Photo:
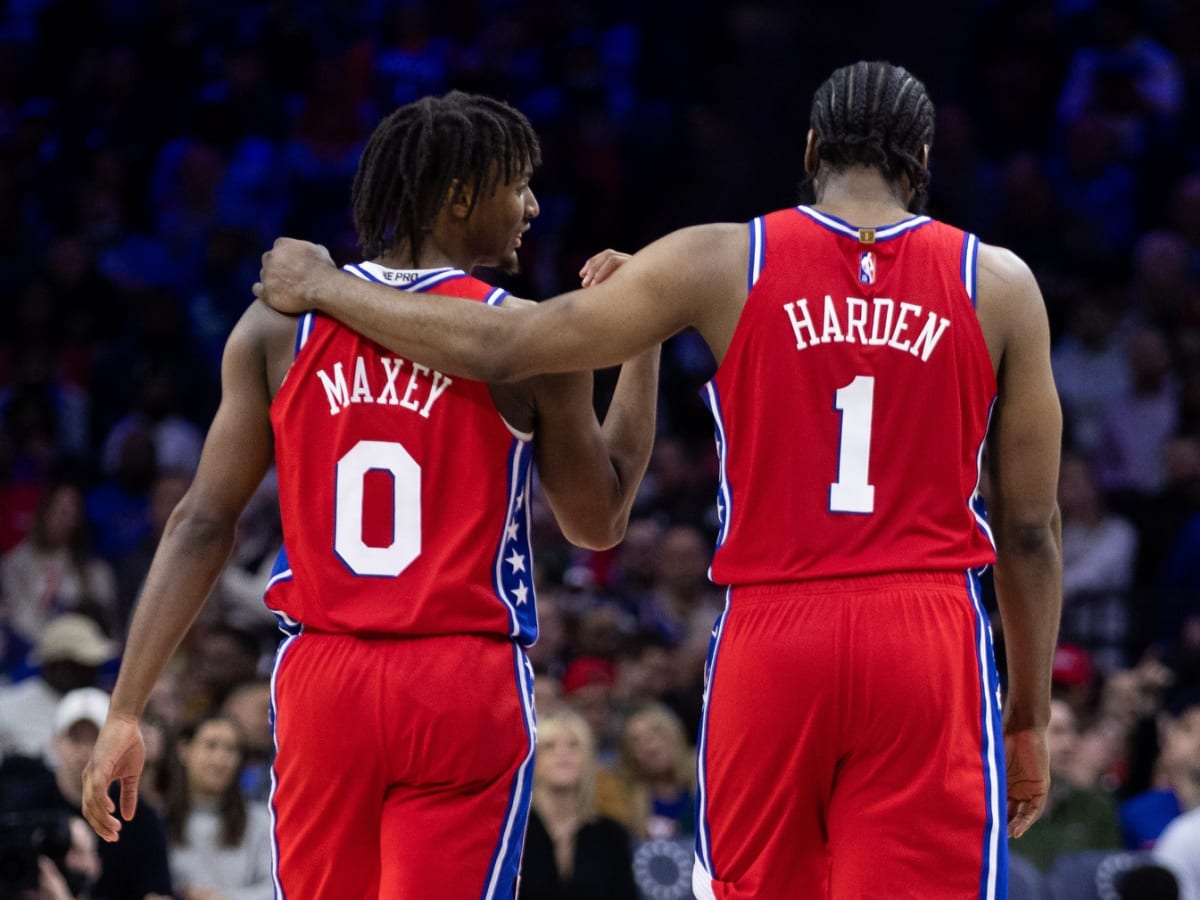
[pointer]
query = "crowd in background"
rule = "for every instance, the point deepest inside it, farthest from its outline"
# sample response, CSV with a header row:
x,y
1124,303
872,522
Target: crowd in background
x,y
150,153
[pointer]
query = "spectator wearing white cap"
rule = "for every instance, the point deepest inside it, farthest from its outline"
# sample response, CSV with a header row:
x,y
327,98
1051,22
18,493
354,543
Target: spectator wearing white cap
x,y
69,653
136,867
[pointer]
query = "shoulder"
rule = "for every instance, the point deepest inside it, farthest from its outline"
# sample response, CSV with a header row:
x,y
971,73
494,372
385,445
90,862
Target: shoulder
x,y
1002,270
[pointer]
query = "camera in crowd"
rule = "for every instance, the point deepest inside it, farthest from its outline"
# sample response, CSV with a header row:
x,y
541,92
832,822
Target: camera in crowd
x,y
25,836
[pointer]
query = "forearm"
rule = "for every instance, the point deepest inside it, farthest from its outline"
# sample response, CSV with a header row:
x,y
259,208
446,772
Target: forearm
x,y
450,334
1028,579
185,567
630,423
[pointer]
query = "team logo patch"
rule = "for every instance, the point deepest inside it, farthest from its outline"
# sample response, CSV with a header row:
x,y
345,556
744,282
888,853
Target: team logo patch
x,y
866,267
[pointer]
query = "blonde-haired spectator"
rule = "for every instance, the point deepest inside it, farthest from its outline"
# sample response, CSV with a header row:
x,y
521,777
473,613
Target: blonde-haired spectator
x,y
651,788
570,850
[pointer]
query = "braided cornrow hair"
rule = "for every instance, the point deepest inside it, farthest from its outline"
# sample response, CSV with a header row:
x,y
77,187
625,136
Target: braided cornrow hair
x,y
874,114
417,153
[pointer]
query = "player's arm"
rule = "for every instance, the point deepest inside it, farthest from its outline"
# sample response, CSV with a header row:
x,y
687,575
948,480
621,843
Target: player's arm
x,y
194,547
1025,443
591,471
680,280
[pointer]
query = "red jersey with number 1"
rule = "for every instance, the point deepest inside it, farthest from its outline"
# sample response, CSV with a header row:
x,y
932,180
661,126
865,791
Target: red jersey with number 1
x,y
852,404
403,493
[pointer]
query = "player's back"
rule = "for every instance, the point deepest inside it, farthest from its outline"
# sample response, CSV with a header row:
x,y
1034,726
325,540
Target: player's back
x,y
852,404
403,493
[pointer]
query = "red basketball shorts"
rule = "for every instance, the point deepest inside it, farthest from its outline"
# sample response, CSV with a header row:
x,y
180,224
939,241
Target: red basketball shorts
x,y
403,766
851,744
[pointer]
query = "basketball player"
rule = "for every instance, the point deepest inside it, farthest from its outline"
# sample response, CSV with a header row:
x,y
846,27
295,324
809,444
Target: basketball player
x,y
402,698
852,742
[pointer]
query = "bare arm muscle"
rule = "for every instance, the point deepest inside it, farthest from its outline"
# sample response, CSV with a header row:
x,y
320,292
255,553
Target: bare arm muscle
x,y
1024,449
199,533
692,277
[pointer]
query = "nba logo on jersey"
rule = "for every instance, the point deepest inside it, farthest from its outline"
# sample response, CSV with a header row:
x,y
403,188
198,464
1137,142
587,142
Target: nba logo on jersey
x,y
866,267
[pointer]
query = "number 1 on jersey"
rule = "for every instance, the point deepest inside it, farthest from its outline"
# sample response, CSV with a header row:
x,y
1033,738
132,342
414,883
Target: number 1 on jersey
x,y
851,493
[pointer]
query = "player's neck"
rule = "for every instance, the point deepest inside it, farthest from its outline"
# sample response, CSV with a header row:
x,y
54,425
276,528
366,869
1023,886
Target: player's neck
x,y
862,196
432,255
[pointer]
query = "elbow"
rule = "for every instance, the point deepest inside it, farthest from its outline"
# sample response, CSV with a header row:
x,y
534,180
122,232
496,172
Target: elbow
x,y
197,528
603,534
1030,536
493,363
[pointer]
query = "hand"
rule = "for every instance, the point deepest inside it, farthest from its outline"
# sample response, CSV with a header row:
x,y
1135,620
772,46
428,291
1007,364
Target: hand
x,y
51,884
119,754
1028,763
290,271
602,265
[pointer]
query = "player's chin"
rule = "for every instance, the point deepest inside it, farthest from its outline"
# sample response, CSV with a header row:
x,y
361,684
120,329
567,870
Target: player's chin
x,y
510,264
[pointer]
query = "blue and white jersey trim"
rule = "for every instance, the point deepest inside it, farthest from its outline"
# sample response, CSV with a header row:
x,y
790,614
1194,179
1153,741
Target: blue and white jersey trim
x,y
303,331
993,880
496,297
724,494
513,570
843,227
506,860
970,264
281,571
417,280
284,647
758,252
978,507
702,872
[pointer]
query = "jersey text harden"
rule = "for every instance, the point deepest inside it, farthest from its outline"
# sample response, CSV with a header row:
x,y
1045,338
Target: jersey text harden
x,y
878,322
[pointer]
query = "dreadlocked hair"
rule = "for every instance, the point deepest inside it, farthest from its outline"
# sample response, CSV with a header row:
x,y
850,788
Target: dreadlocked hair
x,y
419,151
874,114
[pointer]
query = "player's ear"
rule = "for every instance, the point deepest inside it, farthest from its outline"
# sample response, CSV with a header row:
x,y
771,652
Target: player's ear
x,y
458,199
810,153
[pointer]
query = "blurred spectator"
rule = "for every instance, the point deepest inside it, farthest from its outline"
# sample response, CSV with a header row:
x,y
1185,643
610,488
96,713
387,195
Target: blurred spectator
x,y
132,565
1073,677
1175,788
1089,370
1123,75
118,508
219,657
176,440
1075,818
1179,849
684,602
220,844
19,495
1098,550
651,787
53,570
571,852
587,688
548,653
69,654
237,597
1139,421
249,707
133,868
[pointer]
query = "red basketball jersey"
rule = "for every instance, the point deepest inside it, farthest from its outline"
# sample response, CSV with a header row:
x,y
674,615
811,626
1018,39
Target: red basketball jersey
x,y
852,404
404,494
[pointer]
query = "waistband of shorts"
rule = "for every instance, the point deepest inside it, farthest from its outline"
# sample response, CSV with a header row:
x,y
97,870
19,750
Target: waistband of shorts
x,y
848,584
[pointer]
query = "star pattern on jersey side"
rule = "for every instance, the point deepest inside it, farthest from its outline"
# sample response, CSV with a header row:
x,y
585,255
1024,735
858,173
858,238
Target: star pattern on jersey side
x,y
517,561
521,593
513,530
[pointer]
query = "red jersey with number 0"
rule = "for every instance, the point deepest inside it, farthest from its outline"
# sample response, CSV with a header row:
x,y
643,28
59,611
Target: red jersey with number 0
x,y
852,404
404,495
